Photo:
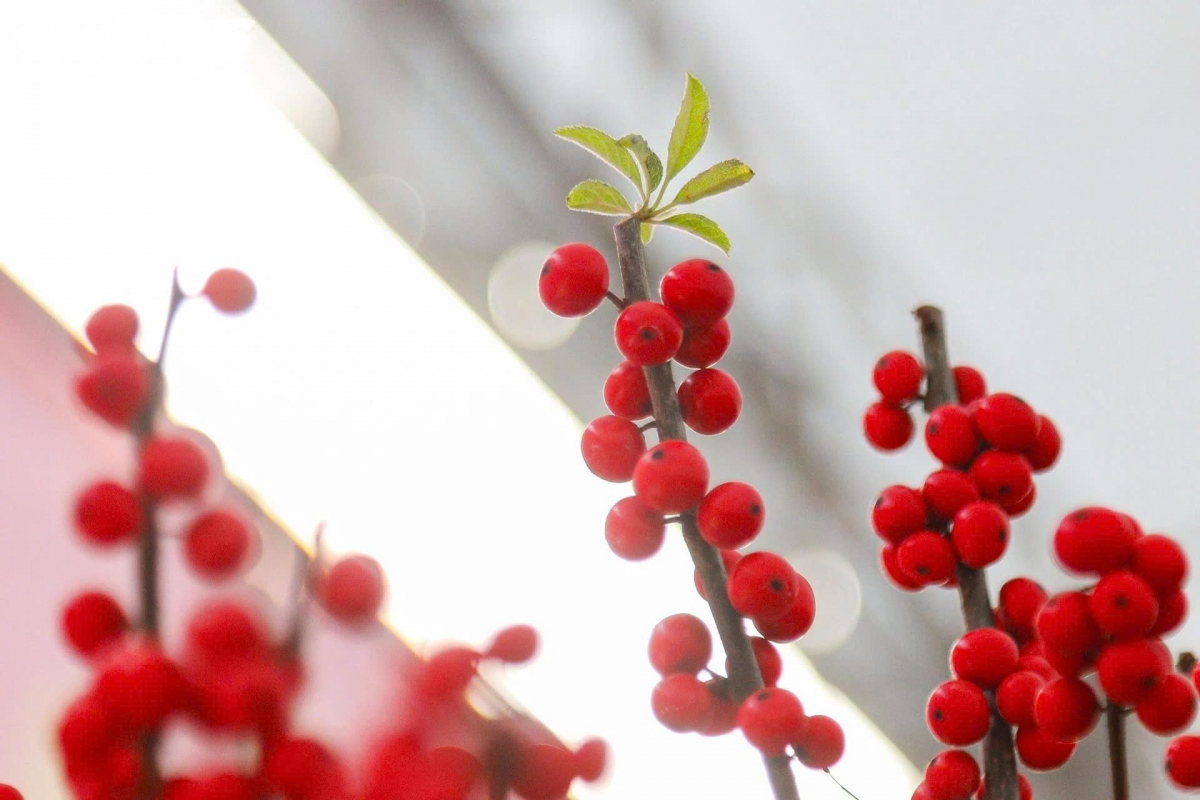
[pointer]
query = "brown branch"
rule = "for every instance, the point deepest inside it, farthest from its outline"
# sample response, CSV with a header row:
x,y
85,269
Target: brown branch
x,y
1185,663
1115,717
744,675
303,579
1000,764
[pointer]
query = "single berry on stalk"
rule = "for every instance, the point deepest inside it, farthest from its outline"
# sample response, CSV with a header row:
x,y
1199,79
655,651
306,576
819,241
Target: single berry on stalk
x,y
731,515
898,377
633,531
230,291
680,643
771,719
698,291
574,280
352,590
671,477
112,328
887,427
710,401
626,393
611,447
647,333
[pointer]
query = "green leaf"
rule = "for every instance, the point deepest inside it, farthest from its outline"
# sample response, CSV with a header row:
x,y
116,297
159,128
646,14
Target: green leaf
x,y
651,164
604,147
691,127
714,180
599,198
647,232
702,226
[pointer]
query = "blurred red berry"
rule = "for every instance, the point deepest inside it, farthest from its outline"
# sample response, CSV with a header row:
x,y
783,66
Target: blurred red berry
x,y
230,291
887,427
897,376
352,590
112,329
611,448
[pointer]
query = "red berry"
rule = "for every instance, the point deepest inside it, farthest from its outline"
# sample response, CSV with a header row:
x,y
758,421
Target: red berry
x,y
729,558
590,759
114,388
1129,671
230,291
515,644
447,673
574,280
957,713
1000,476
763,586
891,567
731,515
1171,610
1123,606
980,534
1183,762
898,377
626,393
633,531
796,621
1024,788
950,436
984,656
352,590
172,467
1094,540
223,633
926,557
1041,752
303,769
682,703
948,490
1064,624
545,772
887,427
898,512
725,708
647,333
671,477
822,743
9,792
680,643
698,291
770,664
1169,707
1020,600
969,383
1017,508
1046,447
771,719
952,775
703,347
93,621
1160,562
1015,697
1006,422
107,513
112,329
710,401
1066,709
216,544
141,687
611,448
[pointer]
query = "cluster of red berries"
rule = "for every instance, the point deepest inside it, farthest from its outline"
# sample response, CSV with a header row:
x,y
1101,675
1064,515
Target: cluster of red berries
x,y
672,478
990,446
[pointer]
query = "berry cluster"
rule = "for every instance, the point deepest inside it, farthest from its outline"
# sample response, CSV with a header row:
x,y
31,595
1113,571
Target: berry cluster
x,y
671,484
231,675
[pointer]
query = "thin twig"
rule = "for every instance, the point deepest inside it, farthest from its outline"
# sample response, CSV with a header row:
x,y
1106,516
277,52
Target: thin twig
x,y
1185,663
744,675
302,590
1000,764
616,301
840,785
1115,716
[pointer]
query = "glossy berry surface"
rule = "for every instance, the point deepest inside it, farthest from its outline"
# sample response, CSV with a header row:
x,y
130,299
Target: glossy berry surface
x,y
762,586
969,384
1094,540
1160,562
172,467
93,621
217,543
1015,697
230,291
647,333
890,563
703,347
926,558
1020,600
682,703
946,491
952,775
626,393
574,280
112,328
1064,623
980,534
950,436
1002,477
731,515
822,744
710,401
1066,709
984,656
898,512
698,291
1041,752
611,447
796,621
957,713
1129,671
633,531
1123,605
107,513
1046,447
1169,707
680,643
887,427
897,376
1183,762
771,719
352,590
1006,422
671,477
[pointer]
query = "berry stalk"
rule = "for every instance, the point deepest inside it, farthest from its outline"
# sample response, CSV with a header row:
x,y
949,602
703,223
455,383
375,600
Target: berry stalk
x,y
1115,718
744,674
1000,766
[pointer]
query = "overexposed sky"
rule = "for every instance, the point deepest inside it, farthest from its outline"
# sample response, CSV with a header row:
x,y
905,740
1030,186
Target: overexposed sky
x,y
360,390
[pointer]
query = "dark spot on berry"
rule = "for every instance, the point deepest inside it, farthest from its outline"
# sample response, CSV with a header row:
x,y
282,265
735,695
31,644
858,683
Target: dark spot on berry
x,y
1003,535
1121,601
1080,516
1004,490
937,715
776,585
761,696
881,363
755,510
922,569
878,502
546,269
1149,682
646,334
933,429
713,267
658,455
